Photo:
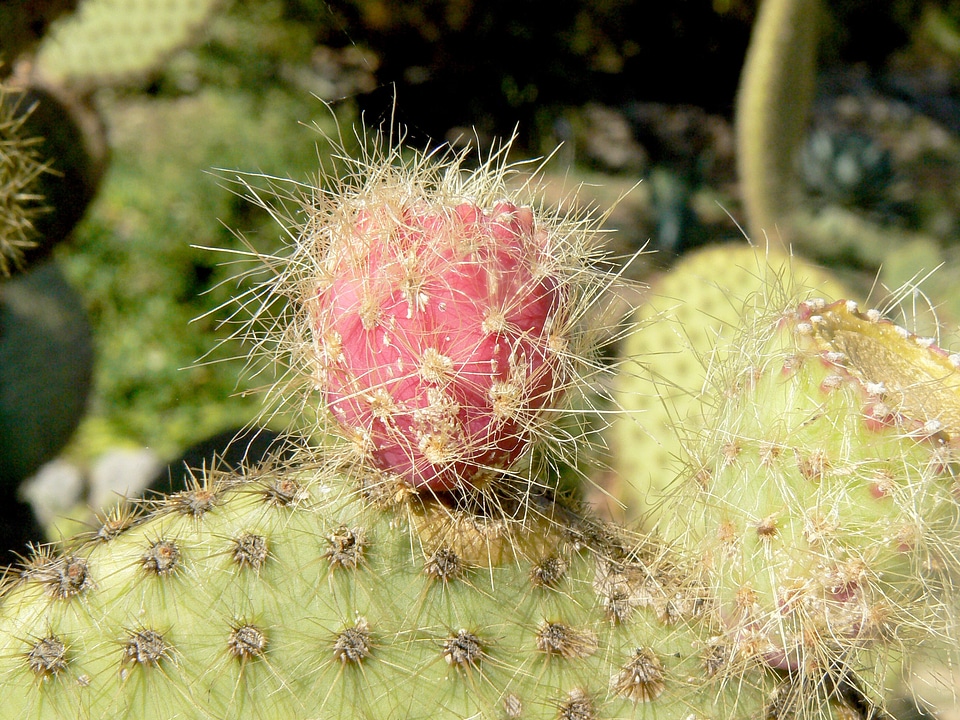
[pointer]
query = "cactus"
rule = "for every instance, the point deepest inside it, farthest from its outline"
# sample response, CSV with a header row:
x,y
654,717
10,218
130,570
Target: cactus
x,y
441,321
71,141
115,42
773,110
820,492
383,583
686,324
20,166
773,106
311,593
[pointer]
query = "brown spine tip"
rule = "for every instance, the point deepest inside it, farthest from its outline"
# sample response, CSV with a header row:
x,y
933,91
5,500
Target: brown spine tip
x,y
284,492
353,645
161,558
814,465
463,650
730,452
548,572
716,656
767,528
63,577
146,647
195,502
346,547
246,642
47,657
250,551
114,522
618,606
641,679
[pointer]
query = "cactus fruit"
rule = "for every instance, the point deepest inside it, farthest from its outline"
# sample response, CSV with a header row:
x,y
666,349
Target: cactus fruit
x,y
440,320
688,320
305,593
820,494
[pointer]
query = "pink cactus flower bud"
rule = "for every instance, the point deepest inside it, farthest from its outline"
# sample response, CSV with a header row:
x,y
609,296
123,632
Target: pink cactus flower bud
x,y
434,338
435,317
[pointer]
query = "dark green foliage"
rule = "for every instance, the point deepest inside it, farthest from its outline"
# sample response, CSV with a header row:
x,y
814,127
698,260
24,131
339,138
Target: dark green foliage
x,y
144,263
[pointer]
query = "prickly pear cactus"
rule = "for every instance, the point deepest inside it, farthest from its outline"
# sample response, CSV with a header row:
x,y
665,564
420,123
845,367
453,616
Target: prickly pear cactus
x,y
820,493
308,593
422,567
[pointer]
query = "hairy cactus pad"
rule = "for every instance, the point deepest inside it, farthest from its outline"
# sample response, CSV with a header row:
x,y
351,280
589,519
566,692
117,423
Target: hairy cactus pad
x,y
685,326
438,317
821,493
294,594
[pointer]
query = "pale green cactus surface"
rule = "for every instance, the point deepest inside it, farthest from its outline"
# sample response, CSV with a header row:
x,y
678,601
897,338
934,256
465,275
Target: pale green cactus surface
x,y
685,325
307,594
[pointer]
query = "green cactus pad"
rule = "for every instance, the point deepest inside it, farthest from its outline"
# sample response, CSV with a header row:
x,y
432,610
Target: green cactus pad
x,y
685,327
114,42
284,595
820,492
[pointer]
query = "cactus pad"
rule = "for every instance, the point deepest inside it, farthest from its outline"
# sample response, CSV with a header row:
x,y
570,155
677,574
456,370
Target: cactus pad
x,y
113,42
303,594
821,492
686,326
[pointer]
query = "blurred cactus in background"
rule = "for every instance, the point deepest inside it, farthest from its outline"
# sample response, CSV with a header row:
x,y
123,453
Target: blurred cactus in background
x,y
20,201
120,42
